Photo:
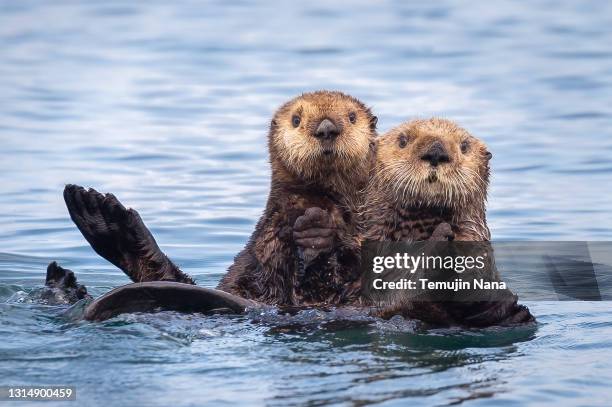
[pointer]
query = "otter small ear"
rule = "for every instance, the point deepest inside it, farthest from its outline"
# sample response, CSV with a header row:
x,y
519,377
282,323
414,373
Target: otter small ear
x,y
273,123
373,122
488,156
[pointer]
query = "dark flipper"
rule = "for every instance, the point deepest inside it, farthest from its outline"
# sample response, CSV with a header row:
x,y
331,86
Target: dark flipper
x,y
501,312
164,295
62,286
119,235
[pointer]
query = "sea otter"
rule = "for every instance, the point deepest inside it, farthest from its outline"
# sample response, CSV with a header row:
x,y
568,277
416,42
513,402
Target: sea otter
x,y
430,183
305,247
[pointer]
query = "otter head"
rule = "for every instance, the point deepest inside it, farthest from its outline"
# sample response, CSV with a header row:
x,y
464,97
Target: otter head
x,y
433,163
319,136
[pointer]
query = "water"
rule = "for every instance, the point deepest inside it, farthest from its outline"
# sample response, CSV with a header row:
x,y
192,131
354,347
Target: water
x,y
167,106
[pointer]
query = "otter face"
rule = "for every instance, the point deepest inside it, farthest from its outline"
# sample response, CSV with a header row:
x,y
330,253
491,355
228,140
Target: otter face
x,y
320,133
433,162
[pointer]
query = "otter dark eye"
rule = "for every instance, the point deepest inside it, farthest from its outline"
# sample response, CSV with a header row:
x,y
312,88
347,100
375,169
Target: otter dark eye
x,y
295,120
352,117
464,146
403,141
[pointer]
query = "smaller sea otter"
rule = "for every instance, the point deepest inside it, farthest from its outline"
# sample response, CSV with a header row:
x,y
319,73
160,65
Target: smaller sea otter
x,y
430,183
429,174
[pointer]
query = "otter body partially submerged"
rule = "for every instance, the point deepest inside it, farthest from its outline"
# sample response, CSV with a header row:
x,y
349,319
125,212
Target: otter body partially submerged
x,y
430,183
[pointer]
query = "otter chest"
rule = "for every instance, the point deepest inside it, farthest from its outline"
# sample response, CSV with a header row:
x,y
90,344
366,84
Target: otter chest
x,y
413,224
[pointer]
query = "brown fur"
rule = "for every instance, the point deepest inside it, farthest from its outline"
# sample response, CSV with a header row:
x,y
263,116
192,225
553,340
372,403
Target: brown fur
x,y
408,198
273,267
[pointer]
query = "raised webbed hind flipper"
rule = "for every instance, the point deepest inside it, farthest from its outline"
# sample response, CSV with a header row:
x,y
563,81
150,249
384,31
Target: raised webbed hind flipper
x,y
164,296
120,236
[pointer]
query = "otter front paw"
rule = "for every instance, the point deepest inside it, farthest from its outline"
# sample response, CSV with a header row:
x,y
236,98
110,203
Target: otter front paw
x,y
443,233
314,233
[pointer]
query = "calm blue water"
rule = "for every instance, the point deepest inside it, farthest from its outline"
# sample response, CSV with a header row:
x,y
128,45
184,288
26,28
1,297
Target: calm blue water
x,y
167,106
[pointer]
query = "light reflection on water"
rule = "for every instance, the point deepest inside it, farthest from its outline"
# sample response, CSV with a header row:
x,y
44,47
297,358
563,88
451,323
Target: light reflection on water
x,y
167,106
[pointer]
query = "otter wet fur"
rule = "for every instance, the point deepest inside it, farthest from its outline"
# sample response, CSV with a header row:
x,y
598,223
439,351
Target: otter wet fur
x,y
428,174
430,182
305,248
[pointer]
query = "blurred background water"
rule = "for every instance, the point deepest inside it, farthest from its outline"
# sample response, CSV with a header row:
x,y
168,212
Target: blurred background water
x,y
166,104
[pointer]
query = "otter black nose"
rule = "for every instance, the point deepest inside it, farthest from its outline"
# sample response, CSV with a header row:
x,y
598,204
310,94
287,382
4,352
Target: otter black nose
x,y
436,154
327,130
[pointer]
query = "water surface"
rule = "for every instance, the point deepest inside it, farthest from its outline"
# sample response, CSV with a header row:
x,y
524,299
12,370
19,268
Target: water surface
x,y
167,106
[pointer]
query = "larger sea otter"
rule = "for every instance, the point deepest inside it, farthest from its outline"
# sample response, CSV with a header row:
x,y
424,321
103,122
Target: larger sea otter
x,y
304,249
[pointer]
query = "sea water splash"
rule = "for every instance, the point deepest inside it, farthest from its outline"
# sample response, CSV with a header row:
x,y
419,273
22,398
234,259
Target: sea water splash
x,y
167,106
